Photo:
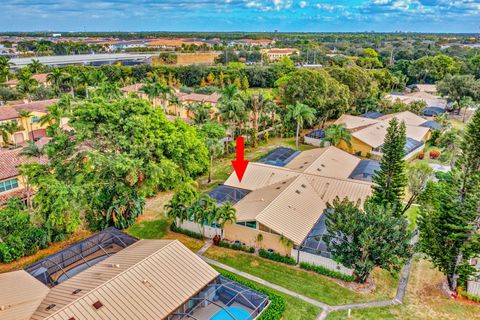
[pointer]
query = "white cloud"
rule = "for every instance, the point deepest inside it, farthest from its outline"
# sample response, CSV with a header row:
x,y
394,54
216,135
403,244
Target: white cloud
x,y
302,4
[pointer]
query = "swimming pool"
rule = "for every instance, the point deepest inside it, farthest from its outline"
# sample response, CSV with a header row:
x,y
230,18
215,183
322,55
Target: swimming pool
x,y
238,313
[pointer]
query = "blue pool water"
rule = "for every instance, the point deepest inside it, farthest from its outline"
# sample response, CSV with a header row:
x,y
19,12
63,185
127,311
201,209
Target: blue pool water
x,y
238,313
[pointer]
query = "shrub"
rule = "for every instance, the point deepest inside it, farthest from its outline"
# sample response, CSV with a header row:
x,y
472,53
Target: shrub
x,y
326,272
434,154
189,233
236,247
275,309
421,155
275,256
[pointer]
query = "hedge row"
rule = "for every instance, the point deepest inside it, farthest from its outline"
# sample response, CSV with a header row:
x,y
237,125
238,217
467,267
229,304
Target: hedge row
x,y
275,309
189,233
326,272
236,247
471,297
276,257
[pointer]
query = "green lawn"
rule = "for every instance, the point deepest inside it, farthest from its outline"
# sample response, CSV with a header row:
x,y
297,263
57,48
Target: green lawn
x,y
295,308
150,229
307,283
384,313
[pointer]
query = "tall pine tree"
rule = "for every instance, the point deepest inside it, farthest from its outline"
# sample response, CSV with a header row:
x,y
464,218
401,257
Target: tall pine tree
x,y
449,221
390,180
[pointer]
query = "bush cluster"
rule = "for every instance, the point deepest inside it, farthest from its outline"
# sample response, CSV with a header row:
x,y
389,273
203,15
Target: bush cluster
x,y
236,247
275,309
275,256
434,154
189,233
326,272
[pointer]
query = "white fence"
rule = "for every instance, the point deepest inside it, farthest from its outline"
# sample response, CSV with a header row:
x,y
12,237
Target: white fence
x,y
318,260
210,232
473,287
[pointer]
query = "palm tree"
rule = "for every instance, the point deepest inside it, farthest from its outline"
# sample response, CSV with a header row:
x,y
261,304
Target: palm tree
x,y
27,85
227,213
32,150
256,103
215,148
85,79
5,67
36,66
335,133
175,100
97,78
109,91
300,113
201,112
25,115
232,107
9,128
176,211
72,82
56,79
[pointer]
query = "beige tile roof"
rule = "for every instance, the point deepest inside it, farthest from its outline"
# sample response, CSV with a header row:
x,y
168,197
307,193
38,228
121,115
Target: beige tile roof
x,y
408,117
20,295
426,87
354,122
290,200
260,175
147,280
197,97
295,212
374,135
328,162
430,100
256,201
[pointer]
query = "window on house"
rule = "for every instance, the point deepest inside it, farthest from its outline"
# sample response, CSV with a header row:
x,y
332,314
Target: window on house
x,y
249,224
8,185
35,119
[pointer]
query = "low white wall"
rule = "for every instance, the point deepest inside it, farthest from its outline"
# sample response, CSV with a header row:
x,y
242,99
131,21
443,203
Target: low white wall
x,y
318,260
210,232
316,142
473,287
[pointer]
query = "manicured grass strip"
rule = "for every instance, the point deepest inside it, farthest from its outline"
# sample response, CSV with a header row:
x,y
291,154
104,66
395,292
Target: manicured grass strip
x,y
384,313
295,309
154,229
326,271
307,283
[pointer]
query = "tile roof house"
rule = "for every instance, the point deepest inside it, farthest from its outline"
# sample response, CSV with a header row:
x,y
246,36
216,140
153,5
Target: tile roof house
x,y
31,128
11,182
368,134
140,279
41,78
289,200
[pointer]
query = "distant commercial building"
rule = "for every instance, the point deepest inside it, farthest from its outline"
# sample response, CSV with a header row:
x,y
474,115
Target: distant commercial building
x,y
276,53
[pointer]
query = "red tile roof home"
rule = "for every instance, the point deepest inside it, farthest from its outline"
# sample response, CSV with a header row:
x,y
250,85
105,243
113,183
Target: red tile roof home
x,y
282,50
41,78
8,113
10,161
132,88
11,112
197,97
38,106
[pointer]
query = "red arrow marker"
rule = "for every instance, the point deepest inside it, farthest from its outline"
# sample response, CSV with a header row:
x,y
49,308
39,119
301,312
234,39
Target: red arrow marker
x,y
240,164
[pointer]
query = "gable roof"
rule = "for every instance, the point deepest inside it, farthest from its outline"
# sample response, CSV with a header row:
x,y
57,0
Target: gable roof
x,y
10,161
132,88
327,162
290,200
353,122
197,97
12,112
41,78
374,135
20,295
408,117
153,278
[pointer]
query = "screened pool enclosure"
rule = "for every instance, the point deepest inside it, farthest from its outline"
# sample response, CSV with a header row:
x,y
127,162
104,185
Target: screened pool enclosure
x,y
65,264
223,299
279,157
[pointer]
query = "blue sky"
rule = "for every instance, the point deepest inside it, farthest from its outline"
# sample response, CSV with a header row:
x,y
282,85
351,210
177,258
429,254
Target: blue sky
x,y
241,15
